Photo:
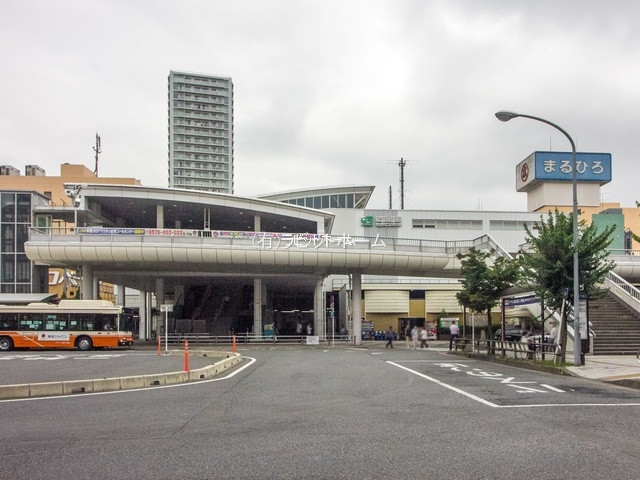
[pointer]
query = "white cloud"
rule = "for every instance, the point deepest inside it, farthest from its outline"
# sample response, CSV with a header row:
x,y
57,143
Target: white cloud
x,y
329,92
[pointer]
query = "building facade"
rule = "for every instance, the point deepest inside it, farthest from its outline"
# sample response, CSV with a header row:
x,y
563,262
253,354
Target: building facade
x,y
20,195
200,128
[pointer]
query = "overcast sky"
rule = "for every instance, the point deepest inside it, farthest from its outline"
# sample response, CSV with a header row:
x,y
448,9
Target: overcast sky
x,y
330,92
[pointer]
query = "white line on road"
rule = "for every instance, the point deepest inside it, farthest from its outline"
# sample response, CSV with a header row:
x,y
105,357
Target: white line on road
x,y
493,405
551,388
446,385
134,390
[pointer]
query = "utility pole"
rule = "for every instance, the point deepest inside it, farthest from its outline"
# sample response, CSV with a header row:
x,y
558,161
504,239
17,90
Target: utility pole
x,y
390,198
401,164
98,152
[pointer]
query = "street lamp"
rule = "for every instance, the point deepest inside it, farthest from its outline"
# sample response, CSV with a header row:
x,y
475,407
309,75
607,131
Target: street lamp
x,y
505,116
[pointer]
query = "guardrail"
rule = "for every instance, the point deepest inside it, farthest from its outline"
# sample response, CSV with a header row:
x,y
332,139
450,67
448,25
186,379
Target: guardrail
x,y
515,349
259,240
625,291
206,340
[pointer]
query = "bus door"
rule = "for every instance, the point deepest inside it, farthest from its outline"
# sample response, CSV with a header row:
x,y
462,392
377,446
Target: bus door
x,y
29,328
56,330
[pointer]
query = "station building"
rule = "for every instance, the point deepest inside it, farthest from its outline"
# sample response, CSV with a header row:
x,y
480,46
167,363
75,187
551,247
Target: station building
x,y
230,263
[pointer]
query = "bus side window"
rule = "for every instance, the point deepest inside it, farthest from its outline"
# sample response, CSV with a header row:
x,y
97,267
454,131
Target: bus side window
x,y
56,321
31,321
8,321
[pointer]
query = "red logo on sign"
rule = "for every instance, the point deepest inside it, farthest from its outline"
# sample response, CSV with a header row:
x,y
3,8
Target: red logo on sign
x,y
524,172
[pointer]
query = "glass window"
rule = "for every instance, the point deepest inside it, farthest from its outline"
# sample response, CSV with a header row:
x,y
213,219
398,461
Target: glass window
x,y
333,201
24,207
8,288
22,231
23,268
317,202
23,288
308,202
106,321
8,205
31,321
82,321
342,201
8,267
325,201
8,238
56,321
349,201
8,321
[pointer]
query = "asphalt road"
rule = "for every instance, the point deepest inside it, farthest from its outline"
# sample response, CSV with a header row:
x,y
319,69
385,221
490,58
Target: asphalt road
x,y
349,413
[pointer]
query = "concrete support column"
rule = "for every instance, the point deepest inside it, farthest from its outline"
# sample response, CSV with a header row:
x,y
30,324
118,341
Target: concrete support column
x,y
159,216
256,223
87,283
159,292
122,295
320,227
142,327
356,308
257,306
95,288
319,318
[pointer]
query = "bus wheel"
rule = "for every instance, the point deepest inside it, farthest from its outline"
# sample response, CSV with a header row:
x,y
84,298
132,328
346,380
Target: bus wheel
x,y
6,344
84,343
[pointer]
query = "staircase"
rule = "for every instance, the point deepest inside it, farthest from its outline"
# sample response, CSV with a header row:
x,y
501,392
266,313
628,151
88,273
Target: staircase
x,y
616,326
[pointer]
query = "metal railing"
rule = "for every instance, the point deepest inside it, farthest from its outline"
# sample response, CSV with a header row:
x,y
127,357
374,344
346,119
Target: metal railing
x,y
206,340
258,240
628,293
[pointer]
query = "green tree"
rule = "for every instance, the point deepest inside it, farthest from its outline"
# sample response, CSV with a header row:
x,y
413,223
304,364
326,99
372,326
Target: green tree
x,y
484,277
548,262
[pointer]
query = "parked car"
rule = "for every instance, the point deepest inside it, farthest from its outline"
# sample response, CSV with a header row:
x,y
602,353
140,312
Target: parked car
x,y
510,334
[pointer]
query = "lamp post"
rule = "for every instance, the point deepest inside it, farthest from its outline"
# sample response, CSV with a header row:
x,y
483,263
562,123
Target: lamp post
x,y
505,116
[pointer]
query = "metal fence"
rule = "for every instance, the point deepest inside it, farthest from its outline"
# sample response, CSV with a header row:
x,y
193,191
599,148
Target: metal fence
x,y
205,340
260,240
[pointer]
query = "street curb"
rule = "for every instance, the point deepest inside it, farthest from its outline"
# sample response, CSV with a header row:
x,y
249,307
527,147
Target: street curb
x,y
71,387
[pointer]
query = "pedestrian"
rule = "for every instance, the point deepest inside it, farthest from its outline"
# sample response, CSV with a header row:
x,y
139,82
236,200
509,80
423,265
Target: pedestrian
x,y
407,336
309,329
526,339
553,334
423,338
454,331
414,337
298,327
389,337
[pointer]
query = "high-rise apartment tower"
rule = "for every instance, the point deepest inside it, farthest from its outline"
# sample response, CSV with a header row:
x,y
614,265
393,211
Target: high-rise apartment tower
x,y
200,132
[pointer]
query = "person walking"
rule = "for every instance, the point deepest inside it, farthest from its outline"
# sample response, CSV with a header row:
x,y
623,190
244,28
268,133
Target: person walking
x,y
407,337
454,331
389,337
414,337
423,338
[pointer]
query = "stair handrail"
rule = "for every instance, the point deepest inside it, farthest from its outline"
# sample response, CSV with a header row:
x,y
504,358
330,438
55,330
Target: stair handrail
x,y
485,240
622,289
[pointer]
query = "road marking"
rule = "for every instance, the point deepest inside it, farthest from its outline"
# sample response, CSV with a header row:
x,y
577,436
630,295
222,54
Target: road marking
x,y
446,385
493,405
539,405
551,388
134,390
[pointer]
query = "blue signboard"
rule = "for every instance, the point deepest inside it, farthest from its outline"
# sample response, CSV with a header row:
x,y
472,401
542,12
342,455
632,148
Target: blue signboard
x,y
591,167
